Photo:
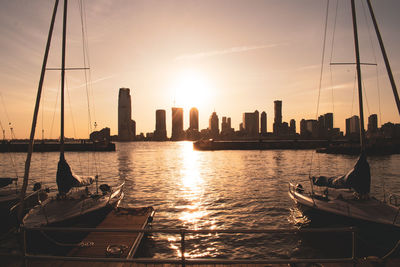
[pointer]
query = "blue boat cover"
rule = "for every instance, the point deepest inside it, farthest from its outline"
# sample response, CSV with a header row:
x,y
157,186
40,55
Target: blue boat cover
x,y
66,179
358,178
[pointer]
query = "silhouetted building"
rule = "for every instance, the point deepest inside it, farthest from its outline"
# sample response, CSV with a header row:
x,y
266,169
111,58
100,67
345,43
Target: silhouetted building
x,y
226,129
160,134
263,122
194,119
373,123
277,117
214,125
177,124
309,128
292,127
328,121
251,123
192,132
126,126
353,127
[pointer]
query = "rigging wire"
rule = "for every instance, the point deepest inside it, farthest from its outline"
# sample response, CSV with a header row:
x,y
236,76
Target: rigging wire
x,y
375,58
331,56
14,166
320,81
88,75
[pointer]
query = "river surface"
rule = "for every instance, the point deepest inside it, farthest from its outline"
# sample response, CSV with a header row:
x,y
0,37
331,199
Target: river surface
x,y
215,190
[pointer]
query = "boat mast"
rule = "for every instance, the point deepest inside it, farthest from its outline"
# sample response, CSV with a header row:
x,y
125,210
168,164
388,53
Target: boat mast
x,y
35,114
360,102
385,58
63,78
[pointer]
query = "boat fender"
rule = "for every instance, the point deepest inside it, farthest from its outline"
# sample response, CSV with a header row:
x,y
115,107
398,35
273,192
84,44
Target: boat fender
x,y
299,188
105,188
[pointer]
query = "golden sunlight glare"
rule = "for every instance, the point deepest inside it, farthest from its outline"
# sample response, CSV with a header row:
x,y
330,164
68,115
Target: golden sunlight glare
x,y
191,89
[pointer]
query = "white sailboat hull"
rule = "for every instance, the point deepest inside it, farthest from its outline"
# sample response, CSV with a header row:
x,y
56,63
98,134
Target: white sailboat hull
x,y
341,202
77,204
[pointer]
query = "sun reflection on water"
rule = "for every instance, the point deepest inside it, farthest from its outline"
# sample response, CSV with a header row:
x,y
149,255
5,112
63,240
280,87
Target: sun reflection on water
x,y
192,213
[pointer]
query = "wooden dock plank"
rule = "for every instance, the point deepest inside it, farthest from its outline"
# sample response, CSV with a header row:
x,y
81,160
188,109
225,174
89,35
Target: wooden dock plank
x,y
122,219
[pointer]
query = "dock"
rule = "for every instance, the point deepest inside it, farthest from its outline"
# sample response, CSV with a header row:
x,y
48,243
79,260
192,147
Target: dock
x,y
260,144
108,244
81,145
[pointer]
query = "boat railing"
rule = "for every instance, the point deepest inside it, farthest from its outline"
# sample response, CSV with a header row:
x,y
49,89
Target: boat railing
x,y
183,259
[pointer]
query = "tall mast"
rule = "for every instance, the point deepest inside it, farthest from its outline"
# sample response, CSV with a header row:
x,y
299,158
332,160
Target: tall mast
x,y
63,78
385,58
35,114
360,102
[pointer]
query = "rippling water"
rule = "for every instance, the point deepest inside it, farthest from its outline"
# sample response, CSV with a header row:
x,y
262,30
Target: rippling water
x,y
212,190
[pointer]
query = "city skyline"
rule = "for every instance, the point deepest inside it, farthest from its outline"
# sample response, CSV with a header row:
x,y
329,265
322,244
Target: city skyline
x,y
233,61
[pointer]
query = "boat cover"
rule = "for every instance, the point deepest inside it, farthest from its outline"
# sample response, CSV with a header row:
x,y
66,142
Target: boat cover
x,y
4,181
66,179
358,178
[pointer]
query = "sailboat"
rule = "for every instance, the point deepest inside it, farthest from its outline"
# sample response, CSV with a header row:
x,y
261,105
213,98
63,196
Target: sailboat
x,y
74,199
348,195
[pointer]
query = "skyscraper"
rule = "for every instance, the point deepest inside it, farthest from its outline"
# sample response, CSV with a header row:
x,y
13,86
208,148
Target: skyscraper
x,y
263,122
194,119
277,116
328,120
353,126
251,123
214,125
126,126
160,133
177,124
292,127
373,123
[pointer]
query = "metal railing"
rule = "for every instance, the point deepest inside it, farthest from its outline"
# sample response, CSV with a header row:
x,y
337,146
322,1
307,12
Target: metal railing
x,y
183,260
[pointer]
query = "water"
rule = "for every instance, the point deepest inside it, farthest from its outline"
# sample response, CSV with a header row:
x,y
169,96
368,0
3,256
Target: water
x,y
214,190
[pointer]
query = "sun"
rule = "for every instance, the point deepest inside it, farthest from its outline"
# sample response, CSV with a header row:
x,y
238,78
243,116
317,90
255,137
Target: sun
x,y
192,89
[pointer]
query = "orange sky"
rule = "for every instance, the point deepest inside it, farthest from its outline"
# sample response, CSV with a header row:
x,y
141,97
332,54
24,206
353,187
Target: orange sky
x,y
227,56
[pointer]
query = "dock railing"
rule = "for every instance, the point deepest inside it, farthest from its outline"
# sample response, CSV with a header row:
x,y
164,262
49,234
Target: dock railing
x,y
183,260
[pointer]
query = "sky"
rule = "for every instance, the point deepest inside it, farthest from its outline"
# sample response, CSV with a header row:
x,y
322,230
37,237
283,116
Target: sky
x,y
227,56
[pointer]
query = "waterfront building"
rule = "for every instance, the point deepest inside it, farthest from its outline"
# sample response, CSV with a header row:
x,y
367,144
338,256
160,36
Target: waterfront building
x,y
303,127
353,127
160,134
177,124
263,123
214,125
328,121
373,123
194,119
126,126
292,127
226,129
277,117
251,123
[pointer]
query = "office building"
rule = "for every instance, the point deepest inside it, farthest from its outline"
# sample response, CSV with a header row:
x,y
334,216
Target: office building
x,y
160,134
251,123
263,122
177,124
373,123
277,117
126,126
292,127
194,119
214,125
353,127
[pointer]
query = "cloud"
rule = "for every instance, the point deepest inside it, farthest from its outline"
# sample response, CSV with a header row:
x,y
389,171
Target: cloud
x,y
237,49
95,81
